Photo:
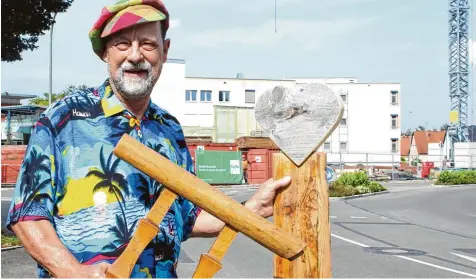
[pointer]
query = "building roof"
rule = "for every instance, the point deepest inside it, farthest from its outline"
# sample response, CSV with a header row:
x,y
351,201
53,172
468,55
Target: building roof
x,y
22,109
17,96
423,138
405,144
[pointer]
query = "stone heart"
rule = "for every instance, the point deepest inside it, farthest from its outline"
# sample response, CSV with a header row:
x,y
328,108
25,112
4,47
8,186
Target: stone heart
x,y
299,119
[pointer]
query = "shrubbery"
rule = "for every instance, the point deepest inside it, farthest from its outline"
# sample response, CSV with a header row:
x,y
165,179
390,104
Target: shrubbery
x,y
457,177
355,183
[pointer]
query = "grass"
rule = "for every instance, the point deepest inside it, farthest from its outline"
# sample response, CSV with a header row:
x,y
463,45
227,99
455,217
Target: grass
x,y
10,241
356,183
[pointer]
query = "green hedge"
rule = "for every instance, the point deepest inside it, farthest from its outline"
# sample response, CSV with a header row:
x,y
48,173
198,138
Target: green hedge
x,y
349,184
457,177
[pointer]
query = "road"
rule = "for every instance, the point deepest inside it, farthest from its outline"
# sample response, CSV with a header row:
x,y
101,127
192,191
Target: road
x,y
414,231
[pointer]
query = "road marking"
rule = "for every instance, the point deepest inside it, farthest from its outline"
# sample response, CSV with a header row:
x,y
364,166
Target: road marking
x,y
333,217
232,192
383,217
6,199
465,257
350,241
357,217
437,266
407,258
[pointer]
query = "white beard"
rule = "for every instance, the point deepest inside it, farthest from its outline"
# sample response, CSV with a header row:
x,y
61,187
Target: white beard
x,y
134,88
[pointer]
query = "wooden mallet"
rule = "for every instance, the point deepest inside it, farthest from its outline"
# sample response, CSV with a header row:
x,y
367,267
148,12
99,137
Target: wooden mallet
x,y
178,181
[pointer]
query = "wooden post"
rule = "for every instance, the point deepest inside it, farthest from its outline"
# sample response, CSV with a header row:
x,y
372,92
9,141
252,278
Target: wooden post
x,y
302,209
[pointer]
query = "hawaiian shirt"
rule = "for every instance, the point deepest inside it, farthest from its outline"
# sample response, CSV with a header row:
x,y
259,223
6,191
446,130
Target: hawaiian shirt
x,y
93,199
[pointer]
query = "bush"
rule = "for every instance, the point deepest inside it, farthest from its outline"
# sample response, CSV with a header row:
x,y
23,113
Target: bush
x,y
353,179
457,177
355,183
342,191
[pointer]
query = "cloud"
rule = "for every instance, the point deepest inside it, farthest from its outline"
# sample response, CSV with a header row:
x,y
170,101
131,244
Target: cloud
x,y
175,23
305,34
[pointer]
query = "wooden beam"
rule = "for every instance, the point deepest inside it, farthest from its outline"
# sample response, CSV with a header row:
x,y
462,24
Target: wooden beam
x,y
302,209
212,200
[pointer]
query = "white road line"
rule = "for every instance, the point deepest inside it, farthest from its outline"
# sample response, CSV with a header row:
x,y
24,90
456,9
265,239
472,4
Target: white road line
x,y
465,257
357,217
437,266
333,217
407,258
383,217
6,199
350,241
232,192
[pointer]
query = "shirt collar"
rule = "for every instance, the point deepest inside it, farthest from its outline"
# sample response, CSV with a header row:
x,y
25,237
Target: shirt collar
x,y
111,105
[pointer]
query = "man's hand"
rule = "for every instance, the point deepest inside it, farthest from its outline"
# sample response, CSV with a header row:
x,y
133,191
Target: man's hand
x,y
262,201
90,271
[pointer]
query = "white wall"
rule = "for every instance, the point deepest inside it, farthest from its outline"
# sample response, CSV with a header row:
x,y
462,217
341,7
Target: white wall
x,y
168,92
368,109
465,154
199,113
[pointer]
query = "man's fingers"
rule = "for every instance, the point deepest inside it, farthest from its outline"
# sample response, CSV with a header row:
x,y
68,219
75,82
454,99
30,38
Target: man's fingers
x,y
281,182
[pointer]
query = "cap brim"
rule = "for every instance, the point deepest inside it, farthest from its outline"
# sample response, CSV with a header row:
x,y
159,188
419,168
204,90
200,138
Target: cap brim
x,y
130,16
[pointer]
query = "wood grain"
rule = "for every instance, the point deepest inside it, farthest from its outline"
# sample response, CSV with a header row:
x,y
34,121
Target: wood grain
x,y
299,119
208,266
210,263
223,242
122,266
212,200
302,209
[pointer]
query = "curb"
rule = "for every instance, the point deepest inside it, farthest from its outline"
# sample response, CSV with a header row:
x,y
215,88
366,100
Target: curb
x,y
11,248
360,196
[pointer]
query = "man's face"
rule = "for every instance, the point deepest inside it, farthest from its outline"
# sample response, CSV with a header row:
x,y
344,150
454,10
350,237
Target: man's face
x,y
135,57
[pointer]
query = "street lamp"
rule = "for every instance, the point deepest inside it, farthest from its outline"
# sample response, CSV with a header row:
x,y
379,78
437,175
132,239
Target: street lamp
x,y
51,61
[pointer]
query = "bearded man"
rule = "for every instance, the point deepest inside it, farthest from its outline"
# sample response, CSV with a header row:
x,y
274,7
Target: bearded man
x,y
76,205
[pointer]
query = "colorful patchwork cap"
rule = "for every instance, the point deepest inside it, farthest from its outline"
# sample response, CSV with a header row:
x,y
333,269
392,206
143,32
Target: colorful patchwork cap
x,y
124,14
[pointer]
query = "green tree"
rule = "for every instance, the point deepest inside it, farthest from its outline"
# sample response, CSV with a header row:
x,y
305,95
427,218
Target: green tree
x,y
23,21
43,100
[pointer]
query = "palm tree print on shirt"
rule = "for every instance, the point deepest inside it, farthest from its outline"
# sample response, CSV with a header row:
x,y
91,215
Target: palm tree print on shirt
x,y
111,181
36,164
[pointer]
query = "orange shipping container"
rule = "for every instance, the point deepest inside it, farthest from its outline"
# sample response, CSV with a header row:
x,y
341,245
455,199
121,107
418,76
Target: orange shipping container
x,y
260,165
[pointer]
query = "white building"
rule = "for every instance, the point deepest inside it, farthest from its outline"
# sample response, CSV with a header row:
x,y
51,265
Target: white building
x,y
370,129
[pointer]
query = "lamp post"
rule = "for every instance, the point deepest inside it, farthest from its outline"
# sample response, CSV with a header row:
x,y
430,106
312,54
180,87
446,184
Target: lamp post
x,y
51,61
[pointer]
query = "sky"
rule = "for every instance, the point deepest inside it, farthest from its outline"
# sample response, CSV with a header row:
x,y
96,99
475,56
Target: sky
x,y
403,41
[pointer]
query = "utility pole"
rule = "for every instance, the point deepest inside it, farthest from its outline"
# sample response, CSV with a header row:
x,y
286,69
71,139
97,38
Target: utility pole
x,y
51,61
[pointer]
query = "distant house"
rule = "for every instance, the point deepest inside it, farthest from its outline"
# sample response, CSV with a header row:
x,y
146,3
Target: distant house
x,y
405,143
420,142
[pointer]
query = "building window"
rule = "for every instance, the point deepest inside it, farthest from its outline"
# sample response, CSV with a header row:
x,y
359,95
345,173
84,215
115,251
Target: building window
x,y
205,95
394,145
327,146
191,95
394,123
344,98
343,146
394,100
224,96
343,122
249,96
